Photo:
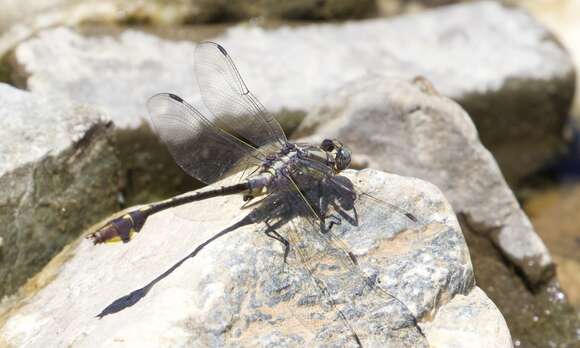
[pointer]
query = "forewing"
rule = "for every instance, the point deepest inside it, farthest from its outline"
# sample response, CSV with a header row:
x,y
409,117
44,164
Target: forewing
x,y
318,307
373,313
234,108
295,279
202,150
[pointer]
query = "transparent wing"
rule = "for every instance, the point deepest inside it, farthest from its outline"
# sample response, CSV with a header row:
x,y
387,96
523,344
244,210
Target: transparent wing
x,y
329,216
318,307
291,279
233,106
203,151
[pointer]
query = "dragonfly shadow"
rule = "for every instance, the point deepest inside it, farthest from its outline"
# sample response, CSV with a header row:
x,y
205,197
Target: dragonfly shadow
x,y
135,296
333,200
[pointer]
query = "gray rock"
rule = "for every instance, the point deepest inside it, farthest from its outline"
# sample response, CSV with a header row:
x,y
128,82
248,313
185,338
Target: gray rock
x,y
21,20
515,80
118,81
238,292
460,315
58,171
409,129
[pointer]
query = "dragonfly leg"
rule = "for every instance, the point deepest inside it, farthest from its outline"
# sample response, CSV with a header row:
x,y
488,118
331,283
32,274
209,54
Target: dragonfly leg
x,y
275,235
332,220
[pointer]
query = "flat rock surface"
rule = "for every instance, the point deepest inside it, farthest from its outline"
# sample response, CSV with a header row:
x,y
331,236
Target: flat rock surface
x,y
407,128
238,291
516,60
57,170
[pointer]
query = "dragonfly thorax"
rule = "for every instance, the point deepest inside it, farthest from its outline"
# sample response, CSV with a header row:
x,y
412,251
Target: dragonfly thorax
x,y
274,166
331,154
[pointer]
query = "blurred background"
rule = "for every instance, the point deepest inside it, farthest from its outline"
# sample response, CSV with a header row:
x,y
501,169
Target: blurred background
x,y
510,64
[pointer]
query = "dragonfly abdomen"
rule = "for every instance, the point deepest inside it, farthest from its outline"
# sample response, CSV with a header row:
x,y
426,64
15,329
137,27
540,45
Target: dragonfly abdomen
x,y
123,227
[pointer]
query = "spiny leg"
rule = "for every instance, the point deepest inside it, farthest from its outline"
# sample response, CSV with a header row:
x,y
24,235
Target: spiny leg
x,y
327,220
333,220
275,235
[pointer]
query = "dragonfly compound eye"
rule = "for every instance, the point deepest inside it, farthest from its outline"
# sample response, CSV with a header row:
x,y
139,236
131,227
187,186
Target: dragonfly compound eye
x,y
342,159
327,145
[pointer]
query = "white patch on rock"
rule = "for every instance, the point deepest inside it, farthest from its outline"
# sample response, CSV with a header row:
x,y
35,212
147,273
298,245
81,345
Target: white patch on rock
x,y
468,320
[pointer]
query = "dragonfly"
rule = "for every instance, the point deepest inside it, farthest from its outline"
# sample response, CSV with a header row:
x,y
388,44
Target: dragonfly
x,y
296,192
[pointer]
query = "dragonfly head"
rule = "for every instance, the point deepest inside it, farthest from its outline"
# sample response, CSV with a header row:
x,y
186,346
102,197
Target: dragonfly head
x,y
339,153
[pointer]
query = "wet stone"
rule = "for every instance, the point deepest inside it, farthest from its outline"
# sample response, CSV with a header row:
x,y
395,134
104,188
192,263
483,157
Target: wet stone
x,y
542,318
554,213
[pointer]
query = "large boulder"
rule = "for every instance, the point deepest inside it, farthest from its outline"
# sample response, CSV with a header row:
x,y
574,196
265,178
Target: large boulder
x,y
59,174
509,73
118,77
408,128
239,292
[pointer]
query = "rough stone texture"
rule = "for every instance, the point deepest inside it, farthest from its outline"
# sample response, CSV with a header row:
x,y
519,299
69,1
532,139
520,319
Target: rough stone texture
x,y
119,80
409,129
58,171
454,318
238,292
118,74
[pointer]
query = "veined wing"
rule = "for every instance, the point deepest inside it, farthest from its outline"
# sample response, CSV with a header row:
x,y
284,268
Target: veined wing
x,y
374,314
290,279
234,108
318,308
200,148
